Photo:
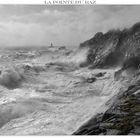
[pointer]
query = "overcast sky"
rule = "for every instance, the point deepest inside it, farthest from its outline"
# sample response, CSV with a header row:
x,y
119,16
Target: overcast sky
x,y
22,25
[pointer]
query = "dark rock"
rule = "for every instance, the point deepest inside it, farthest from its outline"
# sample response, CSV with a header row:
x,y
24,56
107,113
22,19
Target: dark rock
x,y
122,118
91,80
62,48
113,48
100,74
112,132
132,62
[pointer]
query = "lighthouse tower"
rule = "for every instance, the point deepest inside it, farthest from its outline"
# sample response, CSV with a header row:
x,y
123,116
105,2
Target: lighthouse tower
x,y
51,45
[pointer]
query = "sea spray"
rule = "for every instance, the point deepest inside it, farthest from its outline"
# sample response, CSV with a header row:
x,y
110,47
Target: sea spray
x,y
78,57
74,58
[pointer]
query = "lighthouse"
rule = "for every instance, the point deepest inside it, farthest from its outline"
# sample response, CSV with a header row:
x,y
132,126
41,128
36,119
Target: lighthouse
x,y
51,45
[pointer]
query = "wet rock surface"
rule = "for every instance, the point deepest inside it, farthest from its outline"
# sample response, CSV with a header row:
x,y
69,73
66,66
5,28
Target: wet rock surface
x,y
113,47
116,48
122,118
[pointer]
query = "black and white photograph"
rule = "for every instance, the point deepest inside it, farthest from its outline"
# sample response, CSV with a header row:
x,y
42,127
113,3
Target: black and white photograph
x,y
68,70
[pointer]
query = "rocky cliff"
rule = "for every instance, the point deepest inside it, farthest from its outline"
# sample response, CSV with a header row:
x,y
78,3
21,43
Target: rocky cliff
x,y
112,48
122,118
120,49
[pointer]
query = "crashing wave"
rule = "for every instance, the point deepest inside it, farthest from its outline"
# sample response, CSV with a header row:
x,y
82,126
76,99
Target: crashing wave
x,y
11,78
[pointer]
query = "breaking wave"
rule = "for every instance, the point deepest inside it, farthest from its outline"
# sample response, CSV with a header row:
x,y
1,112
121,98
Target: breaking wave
x,y
11,78
76,58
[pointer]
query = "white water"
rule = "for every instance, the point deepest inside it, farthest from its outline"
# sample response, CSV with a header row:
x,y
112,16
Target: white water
x,y
52,100
76,57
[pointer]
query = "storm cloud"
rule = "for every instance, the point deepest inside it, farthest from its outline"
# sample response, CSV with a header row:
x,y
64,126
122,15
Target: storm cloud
x,y
39,25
